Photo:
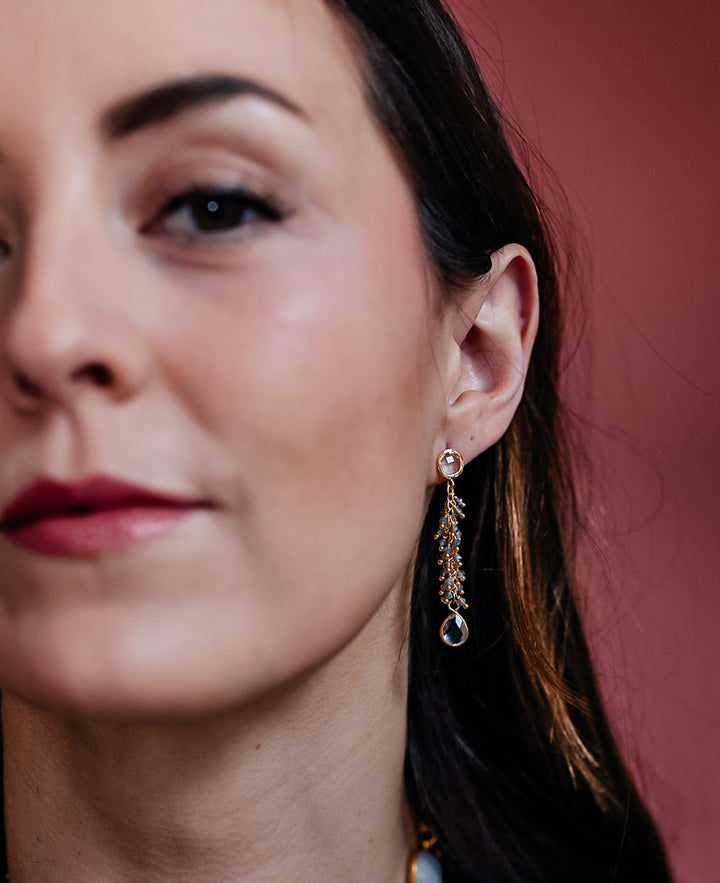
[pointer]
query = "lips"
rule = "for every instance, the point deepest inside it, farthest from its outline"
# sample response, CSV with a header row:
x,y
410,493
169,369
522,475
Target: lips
x,y
94,515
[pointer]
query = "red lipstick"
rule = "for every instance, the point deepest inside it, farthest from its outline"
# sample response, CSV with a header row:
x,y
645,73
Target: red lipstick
x,y
96,514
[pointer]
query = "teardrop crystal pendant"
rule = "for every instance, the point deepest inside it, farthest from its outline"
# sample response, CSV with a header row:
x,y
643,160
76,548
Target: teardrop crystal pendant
x,y
454,631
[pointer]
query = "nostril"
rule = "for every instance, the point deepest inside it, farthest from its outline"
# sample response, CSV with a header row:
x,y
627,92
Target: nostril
x,y
25,385
96,373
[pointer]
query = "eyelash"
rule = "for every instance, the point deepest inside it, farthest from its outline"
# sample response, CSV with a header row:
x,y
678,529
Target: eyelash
x,y
5,249
235,207
214,212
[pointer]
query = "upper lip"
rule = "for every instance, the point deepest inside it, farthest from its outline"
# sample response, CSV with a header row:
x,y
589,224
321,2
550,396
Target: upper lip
x,y
46,497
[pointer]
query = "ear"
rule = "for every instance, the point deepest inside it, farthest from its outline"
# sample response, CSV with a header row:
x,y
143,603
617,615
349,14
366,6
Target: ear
x,y
494,330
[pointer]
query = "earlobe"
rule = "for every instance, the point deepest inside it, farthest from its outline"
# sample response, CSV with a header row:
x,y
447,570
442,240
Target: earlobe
x,y
495,329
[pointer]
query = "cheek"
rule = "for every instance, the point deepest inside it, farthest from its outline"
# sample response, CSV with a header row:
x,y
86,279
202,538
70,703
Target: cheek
x,y
320,354
321,393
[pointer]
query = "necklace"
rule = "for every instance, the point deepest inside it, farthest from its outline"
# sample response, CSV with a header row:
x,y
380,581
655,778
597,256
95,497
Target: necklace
x,y
423,866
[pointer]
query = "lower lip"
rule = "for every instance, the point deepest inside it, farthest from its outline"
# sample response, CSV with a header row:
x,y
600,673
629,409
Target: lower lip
x,y
103,530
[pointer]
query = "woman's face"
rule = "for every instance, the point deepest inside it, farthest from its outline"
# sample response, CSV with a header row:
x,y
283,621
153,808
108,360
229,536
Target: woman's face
x,y
217,295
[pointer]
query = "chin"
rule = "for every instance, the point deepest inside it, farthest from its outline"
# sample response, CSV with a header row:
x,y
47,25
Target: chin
x,y
104,676
112,698
139,657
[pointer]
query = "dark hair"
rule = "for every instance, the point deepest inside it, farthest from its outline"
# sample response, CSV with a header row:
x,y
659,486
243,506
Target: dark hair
x,y
510,756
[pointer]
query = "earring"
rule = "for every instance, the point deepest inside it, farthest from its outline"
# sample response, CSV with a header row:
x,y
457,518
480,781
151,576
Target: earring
x,y
454,630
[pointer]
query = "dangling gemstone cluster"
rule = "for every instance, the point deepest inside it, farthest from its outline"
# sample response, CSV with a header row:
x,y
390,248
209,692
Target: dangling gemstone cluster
x,y
454,630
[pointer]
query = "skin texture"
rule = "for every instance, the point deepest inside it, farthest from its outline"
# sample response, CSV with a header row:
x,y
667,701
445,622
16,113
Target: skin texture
x,y
175,705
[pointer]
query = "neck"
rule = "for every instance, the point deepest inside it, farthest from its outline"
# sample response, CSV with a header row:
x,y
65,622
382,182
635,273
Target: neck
x,y
303,786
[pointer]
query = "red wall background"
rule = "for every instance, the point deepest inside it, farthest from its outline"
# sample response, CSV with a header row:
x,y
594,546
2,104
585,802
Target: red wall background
x,y
623,100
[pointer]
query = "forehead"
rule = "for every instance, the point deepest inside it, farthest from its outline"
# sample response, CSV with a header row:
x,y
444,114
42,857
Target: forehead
x,y
84,53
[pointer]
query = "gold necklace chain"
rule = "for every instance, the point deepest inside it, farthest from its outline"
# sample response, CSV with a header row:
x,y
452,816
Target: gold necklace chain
x,y
422,860
417,859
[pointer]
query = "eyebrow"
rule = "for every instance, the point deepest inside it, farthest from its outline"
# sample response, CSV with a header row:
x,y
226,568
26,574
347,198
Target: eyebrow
x,y
169,100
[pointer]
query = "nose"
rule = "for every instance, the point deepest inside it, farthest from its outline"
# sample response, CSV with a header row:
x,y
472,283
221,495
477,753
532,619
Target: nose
x,y
64,331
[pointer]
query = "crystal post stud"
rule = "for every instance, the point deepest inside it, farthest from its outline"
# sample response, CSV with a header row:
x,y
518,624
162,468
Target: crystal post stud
x,y
450,464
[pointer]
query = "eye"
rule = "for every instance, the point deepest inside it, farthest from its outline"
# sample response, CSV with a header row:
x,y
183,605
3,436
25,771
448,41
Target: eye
x,y
206,211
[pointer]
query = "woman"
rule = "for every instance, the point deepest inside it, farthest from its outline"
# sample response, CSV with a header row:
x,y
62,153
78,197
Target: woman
x,y
269,275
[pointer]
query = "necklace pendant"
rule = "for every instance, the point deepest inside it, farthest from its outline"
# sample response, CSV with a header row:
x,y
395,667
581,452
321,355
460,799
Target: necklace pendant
x,y
424,868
